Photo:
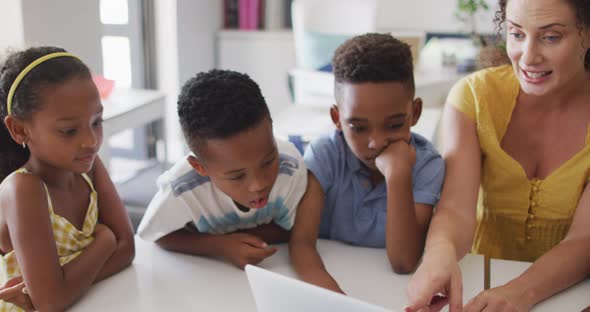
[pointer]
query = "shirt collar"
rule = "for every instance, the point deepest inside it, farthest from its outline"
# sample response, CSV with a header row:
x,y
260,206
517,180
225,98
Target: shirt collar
x,y
353,164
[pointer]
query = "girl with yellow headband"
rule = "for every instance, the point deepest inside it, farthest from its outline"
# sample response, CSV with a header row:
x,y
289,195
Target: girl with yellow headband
x,y
62,224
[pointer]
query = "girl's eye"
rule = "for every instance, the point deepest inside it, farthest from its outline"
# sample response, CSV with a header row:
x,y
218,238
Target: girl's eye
x,y
97,123
68,132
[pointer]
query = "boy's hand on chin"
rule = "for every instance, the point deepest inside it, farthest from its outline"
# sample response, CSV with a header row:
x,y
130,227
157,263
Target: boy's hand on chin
x,y
241,249
397,153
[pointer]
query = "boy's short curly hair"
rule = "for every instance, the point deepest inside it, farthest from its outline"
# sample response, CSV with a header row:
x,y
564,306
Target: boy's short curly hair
x,y
373,57
219,104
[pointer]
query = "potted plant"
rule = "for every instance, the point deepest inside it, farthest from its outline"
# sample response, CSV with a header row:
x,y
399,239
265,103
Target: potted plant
x,y
490,53
466,11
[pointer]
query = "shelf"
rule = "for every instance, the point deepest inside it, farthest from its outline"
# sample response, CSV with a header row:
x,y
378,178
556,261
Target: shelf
x,y
286,34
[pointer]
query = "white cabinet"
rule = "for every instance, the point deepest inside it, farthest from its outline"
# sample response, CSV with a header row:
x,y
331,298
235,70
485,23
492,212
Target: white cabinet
x,y
266,56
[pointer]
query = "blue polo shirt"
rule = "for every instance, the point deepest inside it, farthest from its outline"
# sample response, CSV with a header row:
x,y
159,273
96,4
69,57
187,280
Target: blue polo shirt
x,y
355,211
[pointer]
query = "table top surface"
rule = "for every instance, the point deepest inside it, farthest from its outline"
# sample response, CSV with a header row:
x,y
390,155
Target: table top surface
x,y
160,280
124,100
575,298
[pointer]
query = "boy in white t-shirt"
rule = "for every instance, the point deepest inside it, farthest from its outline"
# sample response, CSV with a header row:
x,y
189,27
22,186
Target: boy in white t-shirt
x,y
239,188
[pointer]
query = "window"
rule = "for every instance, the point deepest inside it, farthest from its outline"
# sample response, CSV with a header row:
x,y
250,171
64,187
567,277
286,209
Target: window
x,y
116,58
114,12
122,56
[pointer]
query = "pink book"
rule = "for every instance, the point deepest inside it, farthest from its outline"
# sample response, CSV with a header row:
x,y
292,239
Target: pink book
x,y
254,14
248,11
243,13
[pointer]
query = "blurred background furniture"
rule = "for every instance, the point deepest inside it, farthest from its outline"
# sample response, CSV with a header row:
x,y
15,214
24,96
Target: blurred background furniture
x,y
311,118
128,109
319,27
135,180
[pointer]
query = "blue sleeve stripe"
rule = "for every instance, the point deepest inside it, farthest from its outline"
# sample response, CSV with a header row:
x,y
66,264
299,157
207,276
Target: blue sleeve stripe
x,y
187,182
287,164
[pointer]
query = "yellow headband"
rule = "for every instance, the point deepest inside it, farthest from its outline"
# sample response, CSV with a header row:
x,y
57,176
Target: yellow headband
x,y
25,71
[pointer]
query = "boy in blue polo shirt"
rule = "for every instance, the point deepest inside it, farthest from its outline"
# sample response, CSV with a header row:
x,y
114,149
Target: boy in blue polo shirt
x,y
372,182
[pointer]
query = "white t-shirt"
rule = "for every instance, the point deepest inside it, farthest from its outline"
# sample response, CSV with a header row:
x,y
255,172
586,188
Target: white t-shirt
x,y
185,196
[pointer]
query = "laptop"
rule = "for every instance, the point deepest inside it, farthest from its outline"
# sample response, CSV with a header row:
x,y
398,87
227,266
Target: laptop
x,y
274,292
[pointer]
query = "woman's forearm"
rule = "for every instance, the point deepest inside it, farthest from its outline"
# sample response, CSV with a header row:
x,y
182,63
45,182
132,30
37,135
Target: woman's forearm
x,y
561,267
445,230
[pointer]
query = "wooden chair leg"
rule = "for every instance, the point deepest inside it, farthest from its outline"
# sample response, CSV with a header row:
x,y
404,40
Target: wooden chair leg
x,y
486,272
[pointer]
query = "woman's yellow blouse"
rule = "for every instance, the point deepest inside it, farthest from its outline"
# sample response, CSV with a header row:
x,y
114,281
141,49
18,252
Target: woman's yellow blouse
x,y
518,218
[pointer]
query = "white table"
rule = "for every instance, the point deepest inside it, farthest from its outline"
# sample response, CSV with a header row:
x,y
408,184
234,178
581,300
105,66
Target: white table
x,y
160,280
575,298
128,109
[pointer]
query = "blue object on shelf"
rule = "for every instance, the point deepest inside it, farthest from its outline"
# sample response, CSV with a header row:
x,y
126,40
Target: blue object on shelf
x,y
326,68
319,48
298,142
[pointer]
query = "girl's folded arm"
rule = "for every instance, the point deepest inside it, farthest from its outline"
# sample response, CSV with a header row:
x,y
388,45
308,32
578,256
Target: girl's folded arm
x,y
112,213
51,288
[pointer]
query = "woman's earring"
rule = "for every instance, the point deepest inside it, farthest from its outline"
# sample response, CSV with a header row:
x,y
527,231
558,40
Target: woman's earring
x,y
24,144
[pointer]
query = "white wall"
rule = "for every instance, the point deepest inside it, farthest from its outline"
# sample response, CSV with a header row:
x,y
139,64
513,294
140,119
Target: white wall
x,y
11,25
429,15
167,69
265,57
185,33
198,23
71,24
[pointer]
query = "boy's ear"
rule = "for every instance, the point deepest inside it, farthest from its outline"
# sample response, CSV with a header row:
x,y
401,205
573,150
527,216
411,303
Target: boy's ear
x,y
335,115
197,165
416,110
17,129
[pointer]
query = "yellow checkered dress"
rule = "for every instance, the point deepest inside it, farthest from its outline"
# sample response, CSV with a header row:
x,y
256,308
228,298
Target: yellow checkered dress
x,y
70,242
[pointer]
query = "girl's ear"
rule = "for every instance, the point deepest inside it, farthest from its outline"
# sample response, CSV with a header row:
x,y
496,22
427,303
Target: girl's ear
x,y
17,130
197,165
335,115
